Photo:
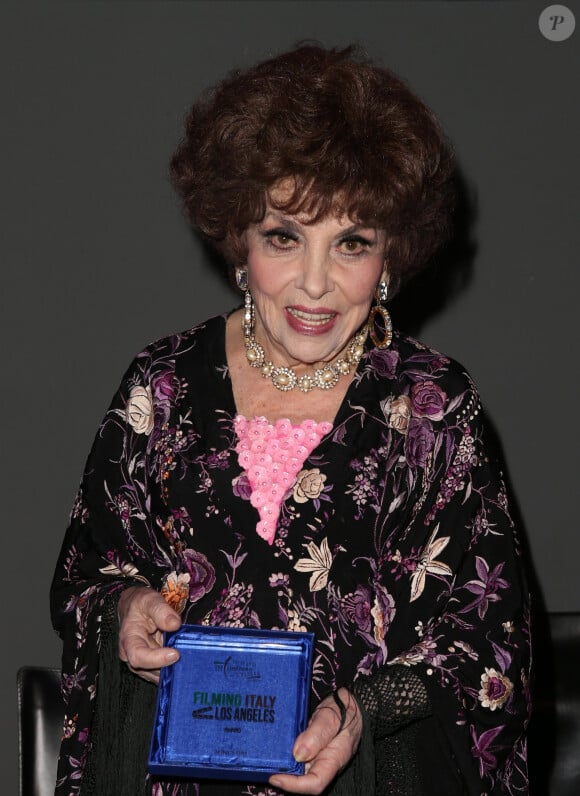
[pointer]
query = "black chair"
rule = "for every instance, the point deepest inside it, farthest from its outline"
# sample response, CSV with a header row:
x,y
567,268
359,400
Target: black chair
x,y
40,720
554,733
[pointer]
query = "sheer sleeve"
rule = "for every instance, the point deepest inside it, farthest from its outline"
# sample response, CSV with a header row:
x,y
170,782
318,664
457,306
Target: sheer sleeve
x,y
392,698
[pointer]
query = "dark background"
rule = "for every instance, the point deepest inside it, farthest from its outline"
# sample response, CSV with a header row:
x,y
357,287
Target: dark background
x,y
97,261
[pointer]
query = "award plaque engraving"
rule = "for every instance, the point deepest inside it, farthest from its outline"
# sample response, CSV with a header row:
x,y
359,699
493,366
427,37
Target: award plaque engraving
x,y
233,704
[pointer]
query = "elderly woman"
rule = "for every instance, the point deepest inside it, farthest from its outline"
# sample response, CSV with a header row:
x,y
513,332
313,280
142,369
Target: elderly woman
x,y
296,464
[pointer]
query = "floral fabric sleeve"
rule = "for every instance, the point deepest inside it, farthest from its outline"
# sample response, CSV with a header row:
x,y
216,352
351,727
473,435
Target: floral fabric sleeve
x,y
112,542
468,598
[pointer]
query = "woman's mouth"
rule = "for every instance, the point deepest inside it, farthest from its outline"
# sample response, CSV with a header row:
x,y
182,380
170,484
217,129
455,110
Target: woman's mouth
x,y
310,321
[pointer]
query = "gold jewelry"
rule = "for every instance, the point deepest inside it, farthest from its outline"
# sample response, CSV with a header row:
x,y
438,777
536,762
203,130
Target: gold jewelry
x,y
381,295
285,379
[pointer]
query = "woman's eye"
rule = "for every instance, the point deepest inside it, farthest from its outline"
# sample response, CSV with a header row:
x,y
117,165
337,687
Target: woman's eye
x,y
283,240
354,245
279,239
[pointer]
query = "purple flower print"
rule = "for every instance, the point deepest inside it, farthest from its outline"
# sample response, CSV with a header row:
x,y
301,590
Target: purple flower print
x,y
485,588
164,387
362,608
75,680
495,689
482,750
219,460
418,442
384,362
241,486
357,607
428,400
202,574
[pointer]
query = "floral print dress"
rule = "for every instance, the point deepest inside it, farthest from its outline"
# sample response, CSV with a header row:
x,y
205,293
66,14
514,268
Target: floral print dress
x,y
394,544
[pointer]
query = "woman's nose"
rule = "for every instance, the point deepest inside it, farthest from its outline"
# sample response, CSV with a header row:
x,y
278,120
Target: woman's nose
x,y
314,278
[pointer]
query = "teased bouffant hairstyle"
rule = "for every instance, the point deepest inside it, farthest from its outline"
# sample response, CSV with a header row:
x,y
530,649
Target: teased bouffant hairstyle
x,y
351,137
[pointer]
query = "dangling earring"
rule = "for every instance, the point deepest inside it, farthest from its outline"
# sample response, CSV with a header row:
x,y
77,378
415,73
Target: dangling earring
x,y
381,294
248,319
248,322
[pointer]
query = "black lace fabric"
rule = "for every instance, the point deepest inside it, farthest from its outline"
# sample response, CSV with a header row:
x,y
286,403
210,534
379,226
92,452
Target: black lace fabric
x,y
393,697
394,700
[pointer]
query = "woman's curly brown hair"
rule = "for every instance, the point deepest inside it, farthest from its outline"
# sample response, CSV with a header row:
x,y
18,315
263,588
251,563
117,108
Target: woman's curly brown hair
x,y
351,137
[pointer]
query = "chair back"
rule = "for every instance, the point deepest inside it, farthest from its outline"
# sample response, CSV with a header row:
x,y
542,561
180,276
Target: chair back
x,y
554,732
40,720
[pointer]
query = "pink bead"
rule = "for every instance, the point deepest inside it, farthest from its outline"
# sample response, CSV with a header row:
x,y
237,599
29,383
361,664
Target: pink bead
x,y
269,510
245,458
272,446
298,433
266,530
276,492
257,499
257,473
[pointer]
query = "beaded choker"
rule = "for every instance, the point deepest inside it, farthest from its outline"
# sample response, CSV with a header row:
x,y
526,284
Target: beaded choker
x,y
324,378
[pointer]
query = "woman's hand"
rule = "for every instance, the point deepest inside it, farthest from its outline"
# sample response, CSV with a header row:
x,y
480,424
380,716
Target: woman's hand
x,y
143,616
324,751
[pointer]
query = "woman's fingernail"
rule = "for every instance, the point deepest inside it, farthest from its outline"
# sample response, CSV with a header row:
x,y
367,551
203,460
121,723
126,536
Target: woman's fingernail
x,y
172,656
300,754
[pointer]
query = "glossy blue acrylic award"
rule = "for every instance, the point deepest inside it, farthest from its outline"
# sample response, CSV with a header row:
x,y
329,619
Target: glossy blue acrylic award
x,y
233,704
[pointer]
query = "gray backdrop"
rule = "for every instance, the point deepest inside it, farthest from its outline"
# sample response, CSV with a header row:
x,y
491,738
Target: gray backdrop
x,y
97,260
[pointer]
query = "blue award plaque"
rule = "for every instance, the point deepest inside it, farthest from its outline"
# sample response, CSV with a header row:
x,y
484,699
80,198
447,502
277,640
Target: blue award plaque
x,y
233,704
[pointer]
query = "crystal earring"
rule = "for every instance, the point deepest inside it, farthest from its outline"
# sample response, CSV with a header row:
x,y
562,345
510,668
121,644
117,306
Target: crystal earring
x,y
381,294
248,319
242,278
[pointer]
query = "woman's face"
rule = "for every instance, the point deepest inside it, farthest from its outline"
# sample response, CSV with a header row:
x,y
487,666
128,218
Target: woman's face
x,y
312,284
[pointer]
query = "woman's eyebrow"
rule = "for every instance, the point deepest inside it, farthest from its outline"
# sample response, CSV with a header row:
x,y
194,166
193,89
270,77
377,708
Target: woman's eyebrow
x,y
292,223
280,218
356,229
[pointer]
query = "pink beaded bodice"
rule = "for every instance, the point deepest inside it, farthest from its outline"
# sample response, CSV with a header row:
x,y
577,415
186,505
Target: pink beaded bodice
x,y
272,454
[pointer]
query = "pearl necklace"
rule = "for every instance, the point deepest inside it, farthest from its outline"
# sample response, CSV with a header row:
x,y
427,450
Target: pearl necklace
x,y
324,378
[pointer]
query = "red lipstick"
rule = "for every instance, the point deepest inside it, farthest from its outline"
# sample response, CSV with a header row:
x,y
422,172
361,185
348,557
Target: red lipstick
x,y
310,321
